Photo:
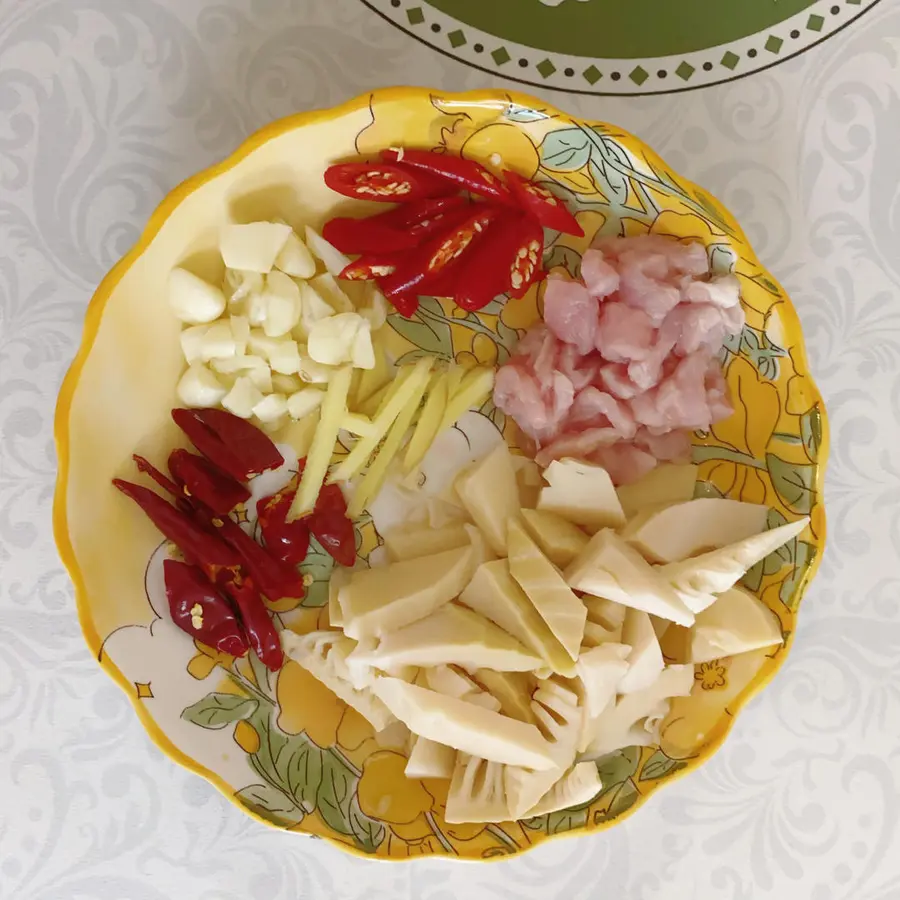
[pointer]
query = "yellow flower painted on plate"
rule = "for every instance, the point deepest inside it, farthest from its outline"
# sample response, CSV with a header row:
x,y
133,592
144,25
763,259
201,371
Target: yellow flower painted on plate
x,y
711,675
385,793
745,431
307,705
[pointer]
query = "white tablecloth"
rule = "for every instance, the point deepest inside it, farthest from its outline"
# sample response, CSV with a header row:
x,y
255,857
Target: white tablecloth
x,y
104,106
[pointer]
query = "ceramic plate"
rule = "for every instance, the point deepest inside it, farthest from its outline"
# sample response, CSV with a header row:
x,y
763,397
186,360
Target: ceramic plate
x,y
284,747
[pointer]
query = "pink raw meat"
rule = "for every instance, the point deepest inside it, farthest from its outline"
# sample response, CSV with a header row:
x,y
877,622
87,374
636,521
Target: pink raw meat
x,y
600,278
624,366
625,333
538,406
594,408
570,312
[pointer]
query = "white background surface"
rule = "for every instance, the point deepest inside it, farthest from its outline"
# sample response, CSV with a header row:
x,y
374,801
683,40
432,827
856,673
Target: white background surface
x,y
104,106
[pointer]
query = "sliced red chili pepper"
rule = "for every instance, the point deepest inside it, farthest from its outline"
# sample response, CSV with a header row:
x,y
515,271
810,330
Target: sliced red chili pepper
x,y
288,541
367,236
233,444
383,182
372,266
406,215
464,173
199,610
199,546
506,261
425,265
405,304
201,480
545,206
163,481
261,632
334,531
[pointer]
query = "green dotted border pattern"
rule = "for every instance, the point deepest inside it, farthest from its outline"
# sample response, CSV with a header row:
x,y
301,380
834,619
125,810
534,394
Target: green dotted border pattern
x,y
421,22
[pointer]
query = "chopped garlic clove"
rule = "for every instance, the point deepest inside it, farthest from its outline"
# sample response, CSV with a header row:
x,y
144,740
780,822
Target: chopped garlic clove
x,y
254,367
328,288
282,304
271,409
304,402
331,340
253,247
314,373
240,330
286,384
295,258
334,260
192,342
242,398
239,285
362,353
312,307
199,387
285,358
218,342
192,299
377,309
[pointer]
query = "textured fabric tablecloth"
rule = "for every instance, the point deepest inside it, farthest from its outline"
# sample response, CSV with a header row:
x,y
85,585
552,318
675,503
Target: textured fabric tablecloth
x,y
107,104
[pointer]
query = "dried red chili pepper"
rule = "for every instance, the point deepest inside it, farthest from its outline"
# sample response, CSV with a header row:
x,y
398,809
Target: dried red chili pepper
x,y
431,261
383,182
506,261
464,173
199,546
288,541
232,444
367,236
274,578
334,531
163,481
545,206
260,631
201,480
198,609
328,522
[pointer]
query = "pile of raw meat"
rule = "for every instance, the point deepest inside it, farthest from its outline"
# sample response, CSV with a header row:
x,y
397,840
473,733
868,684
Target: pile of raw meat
x,y
624,366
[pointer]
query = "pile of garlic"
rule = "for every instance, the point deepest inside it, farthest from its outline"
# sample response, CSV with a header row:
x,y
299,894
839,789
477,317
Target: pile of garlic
x,y
265,343
550,623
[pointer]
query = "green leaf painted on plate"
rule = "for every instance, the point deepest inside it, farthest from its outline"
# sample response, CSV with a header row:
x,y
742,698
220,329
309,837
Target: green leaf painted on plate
x,y
366,831
611,183
319,564
755,346
804,556
335,793
623,797
300,768
216,710
722,259
566,257
706,489
793,482
617,766
811,432
659,766
270,803
565,150
429,333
